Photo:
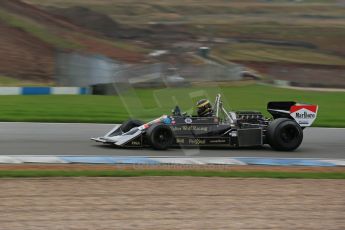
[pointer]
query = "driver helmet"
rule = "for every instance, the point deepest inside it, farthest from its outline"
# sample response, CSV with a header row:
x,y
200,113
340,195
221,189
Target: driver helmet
x,y
204,108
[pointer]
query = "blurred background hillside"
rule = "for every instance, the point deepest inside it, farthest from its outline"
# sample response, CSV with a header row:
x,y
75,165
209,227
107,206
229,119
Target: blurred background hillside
x,y
93,42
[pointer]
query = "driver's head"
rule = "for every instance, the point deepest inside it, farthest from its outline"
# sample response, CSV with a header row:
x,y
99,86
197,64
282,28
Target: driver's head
x,y
204,108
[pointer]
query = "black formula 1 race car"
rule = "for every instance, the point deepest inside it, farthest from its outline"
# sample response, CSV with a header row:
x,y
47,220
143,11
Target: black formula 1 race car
x,y
284,131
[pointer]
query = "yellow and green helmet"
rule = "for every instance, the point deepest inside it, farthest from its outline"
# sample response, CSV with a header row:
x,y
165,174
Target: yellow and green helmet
x,y
204,108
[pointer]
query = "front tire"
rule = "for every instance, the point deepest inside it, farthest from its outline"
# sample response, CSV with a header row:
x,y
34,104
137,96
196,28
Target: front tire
x,y
284,134
160,136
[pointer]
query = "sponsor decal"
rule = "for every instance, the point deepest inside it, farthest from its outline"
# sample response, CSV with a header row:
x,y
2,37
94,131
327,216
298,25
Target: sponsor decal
x,y
176,128
206,119
304,115
179,141
195,128
218,141
135,143
190,128
188,120
158,120
311,108
144,126
196,142
233,134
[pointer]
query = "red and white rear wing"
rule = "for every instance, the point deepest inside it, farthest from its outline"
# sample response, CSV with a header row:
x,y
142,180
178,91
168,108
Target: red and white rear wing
x,y
304,115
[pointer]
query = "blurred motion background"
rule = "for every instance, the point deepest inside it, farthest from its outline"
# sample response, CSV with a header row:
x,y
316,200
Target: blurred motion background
x,y
88,42
112,45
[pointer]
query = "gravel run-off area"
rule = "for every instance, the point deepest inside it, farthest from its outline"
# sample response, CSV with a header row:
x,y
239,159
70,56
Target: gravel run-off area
x,y
171,203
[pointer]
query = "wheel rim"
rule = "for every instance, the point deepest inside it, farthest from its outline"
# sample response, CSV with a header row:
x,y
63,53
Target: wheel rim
x,y
289,134
163,137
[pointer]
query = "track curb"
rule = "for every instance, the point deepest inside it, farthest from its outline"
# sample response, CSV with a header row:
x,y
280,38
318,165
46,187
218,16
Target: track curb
x,y
143,160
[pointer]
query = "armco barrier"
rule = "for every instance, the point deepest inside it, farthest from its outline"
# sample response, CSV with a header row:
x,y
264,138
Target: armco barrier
x,y
143,160
44,90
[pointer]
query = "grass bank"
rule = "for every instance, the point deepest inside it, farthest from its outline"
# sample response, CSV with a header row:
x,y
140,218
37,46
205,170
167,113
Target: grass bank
x,y
147,104
10,81
194,173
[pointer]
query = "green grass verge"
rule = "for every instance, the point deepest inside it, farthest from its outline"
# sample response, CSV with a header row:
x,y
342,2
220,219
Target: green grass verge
x,y
147,104
10,81
194,173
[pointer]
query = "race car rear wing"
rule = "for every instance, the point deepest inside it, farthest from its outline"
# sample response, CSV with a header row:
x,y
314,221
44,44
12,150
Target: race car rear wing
x,y
303,114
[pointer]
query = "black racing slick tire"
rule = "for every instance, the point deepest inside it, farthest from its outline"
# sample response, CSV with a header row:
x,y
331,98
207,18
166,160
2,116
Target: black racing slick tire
x,y
284,134
130,124
160,136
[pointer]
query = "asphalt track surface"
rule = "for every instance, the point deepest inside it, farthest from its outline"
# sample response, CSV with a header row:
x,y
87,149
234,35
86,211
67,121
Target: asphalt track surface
x,y
74,139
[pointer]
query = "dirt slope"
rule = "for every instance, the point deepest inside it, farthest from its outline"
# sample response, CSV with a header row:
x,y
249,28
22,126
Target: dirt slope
x,y
30,11
31,36
24,56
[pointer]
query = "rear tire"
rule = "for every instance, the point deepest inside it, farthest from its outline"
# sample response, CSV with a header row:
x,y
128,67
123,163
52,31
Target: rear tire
x,y
160,136
130,124
284,134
